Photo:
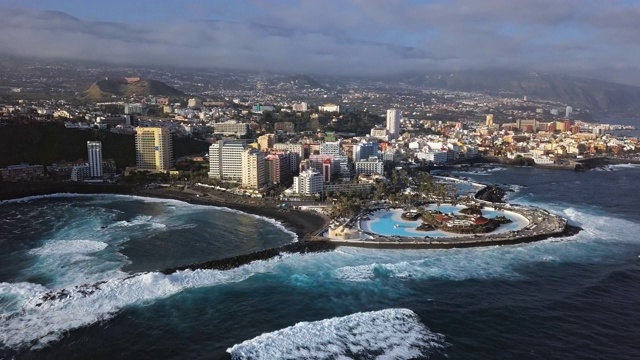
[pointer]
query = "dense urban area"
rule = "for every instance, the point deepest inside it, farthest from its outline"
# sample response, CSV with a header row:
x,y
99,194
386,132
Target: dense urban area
x,y
262,134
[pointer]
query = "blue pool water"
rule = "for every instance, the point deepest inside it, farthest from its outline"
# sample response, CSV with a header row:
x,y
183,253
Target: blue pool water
x,y
390,223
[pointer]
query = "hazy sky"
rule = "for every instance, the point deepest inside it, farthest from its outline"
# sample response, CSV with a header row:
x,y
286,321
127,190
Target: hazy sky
x,y
596,38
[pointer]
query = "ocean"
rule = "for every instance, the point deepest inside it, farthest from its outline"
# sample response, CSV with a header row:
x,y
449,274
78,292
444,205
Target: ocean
x,y
566,298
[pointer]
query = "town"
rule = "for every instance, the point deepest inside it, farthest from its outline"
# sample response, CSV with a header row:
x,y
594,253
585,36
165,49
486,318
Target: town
x,y
263,143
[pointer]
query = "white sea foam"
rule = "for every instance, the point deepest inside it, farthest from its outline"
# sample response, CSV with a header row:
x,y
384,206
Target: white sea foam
x,y
144,220
384,334
69,247
74,262
458,264
616,167
37,323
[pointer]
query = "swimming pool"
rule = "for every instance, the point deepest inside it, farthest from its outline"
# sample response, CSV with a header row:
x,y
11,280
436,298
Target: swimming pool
x,y
390,222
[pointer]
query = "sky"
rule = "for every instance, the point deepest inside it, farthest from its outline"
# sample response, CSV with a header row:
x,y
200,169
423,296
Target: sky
x,y
591,38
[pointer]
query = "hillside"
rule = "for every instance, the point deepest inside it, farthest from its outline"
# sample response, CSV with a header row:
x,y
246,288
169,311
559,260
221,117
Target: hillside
x,y
600,97
302,80
47,143
108,88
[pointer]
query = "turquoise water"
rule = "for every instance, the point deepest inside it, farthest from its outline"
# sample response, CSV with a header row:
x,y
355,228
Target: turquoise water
x,y
390,223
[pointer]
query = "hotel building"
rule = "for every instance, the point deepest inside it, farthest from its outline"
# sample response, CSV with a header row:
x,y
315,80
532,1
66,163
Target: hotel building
x,y
253,169
154,149
94,149
393,123
225,160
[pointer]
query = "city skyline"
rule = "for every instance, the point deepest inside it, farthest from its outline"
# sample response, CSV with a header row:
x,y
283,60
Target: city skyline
x,y
592,39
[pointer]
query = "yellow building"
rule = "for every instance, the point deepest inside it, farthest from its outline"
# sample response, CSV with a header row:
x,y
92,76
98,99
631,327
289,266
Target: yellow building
x,y
154,149
266,141
489,119
253,169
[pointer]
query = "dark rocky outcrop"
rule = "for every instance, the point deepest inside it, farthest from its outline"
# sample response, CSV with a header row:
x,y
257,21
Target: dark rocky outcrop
x,y
236,261
493,193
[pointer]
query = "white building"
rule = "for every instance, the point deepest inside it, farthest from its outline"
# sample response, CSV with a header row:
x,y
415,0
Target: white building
x,y
382,134
308,183
231,128
435,156
133,109
331,148
225,160
95,158
329,108
371,166
568,112
300,107
393,123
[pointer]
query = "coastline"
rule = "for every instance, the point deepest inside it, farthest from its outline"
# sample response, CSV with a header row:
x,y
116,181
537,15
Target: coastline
x,y
304,224
307,225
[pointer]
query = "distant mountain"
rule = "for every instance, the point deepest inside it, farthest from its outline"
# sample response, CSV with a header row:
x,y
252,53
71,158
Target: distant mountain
x,y
600,97
125,87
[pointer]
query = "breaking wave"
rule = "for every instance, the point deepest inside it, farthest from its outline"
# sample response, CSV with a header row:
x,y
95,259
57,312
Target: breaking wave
x,y
41,316
384,334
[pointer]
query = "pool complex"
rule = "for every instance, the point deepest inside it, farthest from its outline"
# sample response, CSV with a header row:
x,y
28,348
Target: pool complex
x,y
390,222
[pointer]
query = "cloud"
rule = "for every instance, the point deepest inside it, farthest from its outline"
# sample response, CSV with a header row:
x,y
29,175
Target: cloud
x,y
585,37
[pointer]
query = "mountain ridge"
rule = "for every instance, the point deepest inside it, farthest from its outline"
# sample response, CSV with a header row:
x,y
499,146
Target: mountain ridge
x,y
126,87
598,96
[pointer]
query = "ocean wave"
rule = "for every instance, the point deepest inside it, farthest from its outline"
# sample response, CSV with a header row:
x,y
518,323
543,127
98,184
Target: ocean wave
x,y
43,316
70,247
143,220
447,264
47,196
625,166
62,263
616,167
384,334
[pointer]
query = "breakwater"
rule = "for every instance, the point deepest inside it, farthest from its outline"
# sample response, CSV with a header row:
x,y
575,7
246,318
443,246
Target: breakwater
x,y
236,261
221,264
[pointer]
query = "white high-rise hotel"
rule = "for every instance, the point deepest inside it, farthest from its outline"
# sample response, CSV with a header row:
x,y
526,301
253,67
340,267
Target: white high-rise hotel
x,y
225,160
393,123
95,158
